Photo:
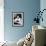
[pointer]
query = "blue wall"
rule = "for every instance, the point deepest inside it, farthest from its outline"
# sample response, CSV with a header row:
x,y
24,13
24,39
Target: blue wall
x,y
29,7
43,6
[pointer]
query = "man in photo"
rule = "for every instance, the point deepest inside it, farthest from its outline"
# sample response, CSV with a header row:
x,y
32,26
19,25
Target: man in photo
x,y
18,19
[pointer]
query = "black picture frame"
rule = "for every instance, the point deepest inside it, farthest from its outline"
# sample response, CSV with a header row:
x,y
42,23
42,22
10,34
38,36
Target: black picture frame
x,y
17,19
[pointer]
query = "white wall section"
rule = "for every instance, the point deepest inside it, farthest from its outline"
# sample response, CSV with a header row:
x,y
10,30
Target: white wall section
x,y
1,20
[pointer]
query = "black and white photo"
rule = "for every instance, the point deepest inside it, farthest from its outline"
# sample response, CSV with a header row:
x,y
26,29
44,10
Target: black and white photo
x,y
18,18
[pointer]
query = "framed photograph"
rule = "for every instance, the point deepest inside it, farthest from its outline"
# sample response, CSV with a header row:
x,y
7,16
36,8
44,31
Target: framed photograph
x,y
17,19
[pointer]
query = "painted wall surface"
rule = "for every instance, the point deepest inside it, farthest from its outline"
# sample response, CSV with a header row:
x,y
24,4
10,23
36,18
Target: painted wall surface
x,y
29,7
43,6
1,20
